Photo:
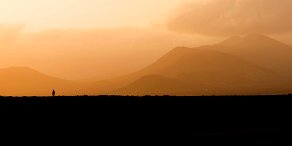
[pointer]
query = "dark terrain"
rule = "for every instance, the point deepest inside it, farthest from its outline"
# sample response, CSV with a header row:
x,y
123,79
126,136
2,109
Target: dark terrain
x,y
256,116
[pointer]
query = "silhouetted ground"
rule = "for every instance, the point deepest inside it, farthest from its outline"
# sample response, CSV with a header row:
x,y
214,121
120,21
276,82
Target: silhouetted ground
x,y
147,99
207,116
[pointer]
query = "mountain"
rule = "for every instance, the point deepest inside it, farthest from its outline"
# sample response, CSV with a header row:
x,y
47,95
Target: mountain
x,y
254,64
260,50
153,85
235,66
23,81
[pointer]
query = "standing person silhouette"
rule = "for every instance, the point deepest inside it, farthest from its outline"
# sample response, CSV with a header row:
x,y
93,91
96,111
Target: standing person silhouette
x,y
53,93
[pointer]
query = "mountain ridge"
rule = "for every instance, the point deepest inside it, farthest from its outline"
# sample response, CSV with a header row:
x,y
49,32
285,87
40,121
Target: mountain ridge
x,y
261,50
20,81
219,70
253,64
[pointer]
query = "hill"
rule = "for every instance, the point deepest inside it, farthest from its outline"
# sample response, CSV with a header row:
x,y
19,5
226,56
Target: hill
x,y
20,81
235,66
261,50
254,64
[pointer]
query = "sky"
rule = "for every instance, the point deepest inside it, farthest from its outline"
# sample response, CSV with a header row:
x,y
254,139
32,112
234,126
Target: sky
x,y
38,15
107,38
233,17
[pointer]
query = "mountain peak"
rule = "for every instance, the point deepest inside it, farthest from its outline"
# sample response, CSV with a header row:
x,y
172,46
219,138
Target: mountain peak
x,y
252,39
256,36
231,40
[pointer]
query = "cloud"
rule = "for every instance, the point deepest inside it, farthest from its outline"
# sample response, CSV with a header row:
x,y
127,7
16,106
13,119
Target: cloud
x,y
233,17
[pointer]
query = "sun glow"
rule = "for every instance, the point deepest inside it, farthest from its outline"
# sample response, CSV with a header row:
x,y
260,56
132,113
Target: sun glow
x,y
43,14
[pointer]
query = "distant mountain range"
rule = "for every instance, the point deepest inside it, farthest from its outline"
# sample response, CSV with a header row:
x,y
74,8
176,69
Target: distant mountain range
x,y
254,64
260,50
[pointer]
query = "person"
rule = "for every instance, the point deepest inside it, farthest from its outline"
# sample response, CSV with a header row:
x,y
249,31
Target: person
x,y
53,93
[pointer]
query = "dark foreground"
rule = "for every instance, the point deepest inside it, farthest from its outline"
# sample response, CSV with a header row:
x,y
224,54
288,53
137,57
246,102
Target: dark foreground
x,y
261,117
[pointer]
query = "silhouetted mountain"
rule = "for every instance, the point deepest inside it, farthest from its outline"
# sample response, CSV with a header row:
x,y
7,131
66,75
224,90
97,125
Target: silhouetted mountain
x,y
20,81
154,85
253,64
260,50
212,70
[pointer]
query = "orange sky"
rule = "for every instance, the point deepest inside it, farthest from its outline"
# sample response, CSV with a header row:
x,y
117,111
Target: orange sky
x,y
233,17
76,39
43,14
96,40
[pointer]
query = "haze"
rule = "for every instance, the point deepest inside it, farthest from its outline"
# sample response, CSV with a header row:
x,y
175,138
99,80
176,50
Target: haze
x,y
131,46
44,14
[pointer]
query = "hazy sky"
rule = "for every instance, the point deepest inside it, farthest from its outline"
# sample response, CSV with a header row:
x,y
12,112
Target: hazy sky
x,y
131,39
233,17
42,14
